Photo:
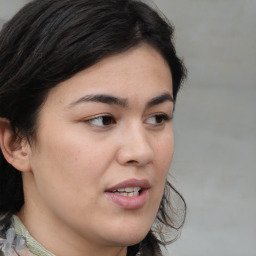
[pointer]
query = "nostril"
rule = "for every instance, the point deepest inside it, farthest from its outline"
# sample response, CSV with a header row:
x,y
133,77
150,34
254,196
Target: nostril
x,y
132,162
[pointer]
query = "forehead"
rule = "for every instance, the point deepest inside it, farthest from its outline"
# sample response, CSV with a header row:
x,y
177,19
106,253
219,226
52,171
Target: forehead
x,y
137,73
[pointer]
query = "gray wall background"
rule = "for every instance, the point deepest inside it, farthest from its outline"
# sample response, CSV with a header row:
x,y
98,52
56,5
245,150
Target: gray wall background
x,y
215,124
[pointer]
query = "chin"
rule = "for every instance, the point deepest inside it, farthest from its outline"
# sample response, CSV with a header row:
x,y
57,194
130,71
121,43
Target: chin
x,y
127,241
129,237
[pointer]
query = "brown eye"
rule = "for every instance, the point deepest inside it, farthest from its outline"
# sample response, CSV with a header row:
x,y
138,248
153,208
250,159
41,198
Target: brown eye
x,y
101,121
158,119
107,120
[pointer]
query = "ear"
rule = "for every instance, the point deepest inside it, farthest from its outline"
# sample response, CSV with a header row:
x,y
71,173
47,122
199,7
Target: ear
x,y
15,150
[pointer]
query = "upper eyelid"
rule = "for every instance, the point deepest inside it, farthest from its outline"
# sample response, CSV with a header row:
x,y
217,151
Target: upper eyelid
x,y
169,116
98,116
164,116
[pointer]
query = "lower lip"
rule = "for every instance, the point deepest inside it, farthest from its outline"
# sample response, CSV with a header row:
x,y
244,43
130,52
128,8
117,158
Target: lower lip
x,y
126,202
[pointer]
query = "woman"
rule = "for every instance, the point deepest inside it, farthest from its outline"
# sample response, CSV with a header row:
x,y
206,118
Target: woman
x,y
87,92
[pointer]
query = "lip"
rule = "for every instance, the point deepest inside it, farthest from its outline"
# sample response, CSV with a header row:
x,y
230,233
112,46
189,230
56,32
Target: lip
x,y
133,202
144,184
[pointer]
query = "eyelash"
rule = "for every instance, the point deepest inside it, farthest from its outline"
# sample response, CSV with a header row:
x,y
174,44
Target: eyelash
x,y
109,120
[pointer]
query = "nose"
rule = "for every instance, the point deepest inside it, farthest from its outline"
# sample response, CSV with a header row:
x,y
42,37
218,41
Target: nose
x,y
136,147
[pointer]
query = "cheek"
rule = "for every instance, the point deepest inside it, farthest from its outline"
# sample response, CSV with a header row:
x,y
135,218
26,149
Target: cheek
x,y
164,156
72,149
69,163
69,169
164,153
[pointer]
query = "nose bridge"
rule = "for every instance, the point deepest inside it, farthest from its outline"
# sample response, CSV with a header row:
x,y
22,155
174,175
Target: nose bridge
x,y
136,147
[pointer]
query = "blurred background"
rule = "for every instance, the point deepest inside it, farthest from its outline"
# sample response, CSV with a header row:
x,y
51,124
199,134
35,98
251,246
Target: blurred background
x,y
215,123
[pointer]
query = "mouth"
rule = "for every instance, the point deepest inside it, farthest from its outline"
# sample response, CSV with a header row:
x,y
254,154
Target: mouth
x,y
131,187
129,194
129,191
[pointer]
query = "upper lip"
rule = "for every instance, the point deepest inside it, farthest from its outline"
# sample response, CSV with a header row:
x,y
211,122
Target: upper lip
x,y
143,184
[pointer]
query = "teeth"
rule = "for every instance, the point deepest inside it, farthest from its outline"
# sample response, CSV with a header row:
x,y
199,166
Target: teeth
x,y
128,189
126,194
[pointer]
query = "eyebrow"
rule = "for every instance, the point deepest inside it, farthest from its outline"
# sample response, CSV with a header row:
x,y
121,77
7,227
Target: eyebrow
x,y
122,102
159,99
102,98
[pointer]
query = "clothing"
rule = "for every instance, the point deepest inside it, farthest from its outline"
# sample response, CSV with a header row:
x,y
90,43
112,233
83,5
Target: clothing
x,y
19,242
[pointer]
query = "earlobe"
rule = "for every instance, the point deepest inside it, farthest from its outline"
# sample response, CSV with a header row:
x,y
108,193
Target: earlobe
x,y
15,150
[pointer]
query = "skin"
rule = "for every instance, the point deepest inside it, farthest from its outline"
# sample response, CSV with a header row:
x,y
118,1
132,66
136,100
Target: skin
x,y
77,155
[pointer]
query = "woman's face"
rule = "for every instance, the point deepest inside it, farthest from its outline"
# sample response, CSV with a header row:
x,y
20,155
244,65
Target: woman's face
x,y
103,148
